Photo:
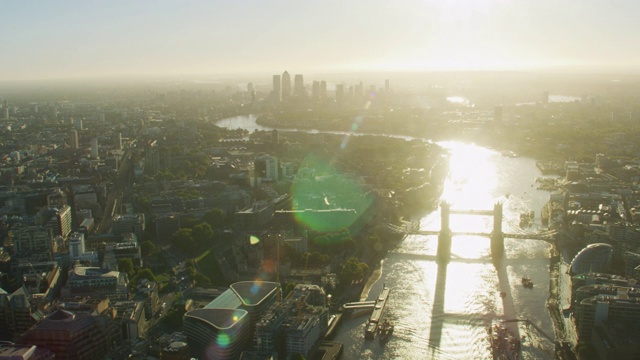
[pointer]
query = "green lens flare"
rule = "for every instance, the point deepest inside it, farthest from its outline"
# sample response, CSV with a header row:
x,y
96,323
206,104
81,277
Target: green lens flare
x,y
328,200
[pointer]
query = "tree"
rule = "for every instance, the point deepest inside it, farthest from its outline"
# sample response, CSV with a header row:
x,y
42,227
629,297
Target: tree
x,y
215,218
202,280
125,266
202,234
183,240
353,270
145,274
147,247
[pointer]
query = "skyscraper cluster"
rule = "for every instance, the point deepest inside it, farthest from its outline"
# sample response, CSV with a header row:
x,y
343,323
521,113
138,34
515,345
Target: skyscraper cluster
x,y
282,91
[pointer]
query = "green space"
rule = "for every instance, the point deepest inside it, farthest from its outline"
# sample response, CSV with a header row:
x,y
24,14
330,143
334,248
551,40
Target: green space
x,y
208,266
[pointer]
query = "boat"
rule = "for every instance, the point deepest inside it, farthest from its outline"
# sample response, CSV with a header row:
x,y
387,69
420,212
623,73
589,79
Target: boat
x,y
504,345
385,330
526,282
370,330
526,218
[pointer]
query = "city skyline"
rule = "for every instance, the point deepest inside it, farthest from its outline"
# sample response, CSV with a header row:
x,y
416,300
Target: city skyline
x,y
74,39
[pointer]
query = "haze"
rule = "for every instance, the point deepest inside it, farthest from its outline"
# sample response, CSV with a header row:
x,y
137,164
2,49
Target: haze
x,y
83,39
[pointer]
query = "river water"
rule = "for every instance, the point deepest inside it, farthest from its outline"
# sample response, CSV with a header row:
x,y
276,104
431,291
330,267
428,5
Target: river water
x,y
442,311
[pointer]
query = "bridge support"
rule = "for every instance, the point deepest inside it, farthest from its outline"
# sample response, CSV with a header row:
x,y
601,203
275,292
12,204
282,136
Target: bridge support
x,y
497,236
444,238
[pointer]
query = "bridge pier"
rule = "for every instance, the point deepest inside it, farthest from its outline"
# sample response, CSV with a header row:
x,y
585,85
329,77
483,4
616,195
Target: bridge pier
x,y
497,236
444,238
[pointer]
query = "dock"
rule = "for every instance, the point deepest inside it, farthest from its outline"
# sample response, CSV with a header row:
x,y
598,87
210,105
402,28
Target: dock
x,y
333,325
376,315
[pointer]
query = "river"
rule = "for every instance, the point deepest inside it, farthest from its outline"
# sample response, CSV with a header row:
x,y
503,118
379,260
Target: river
x,y
443,311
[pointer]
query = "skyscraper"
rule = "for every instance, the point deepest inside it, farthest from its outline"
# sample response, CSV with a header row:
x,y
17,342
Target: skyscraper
x,y
298,86
74,140
276,87
323,89
339,93
315,90
286,86
6,109
94,148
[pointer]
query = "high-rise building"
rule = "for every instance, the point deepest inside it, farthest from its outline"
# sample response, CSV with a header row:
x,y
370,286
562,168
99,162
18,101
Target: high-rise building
x,y
339,93
5,109
323,89
119,141
76,245
386,86
77,123
74,140
275,93
315,90
266,167
62,221
286,86
359,89
298,86
94,148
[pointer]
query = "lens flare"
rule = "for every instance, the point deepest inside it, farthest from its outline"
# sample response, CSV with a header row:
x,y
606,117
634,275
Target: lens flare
x,y
330,202
223,340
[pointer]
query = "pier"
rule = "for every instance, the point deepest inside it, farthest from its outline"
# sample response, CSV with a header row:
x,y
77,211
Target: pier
x,y
377,306
376,315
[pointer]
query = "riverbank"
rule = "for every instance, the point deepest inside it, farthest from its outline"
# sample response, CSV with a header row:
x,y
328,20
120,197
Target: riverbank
x,y
373,278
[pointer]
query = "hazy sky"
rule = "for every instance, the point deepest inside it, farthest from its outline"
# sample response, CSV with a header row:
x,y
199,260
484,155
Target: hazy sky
x,y
86,38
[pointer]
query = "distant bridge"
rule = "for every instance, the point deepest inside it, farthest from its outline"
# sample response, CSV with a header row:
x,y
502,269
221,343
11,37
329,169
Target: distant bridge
x,y
497,236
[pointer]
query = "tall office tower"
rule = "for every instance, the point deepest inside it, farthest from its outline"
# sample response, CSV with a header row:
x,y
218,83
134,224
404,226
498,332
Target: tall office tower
x,y
94,148
315,90
286,86
119,141
298,86
74,140
386,86
339,93
359,91
77,123
6,109
323,89
266,167
250,87
275,93
545,97
76,245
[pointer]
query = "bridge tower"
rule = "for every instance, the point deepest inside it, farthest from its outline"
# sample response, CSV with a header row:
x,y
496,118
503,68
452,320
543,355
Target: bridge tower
x,y
444,238
497,236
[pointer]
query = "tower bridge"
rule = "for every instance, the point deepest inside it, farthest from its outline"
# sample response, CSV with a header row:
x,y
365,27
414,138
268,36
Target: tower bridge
x,y
497,236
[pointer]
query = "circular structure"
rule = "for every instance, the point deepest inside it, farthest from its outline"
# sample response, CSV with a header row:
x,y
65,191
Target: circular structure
x,y
593,258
